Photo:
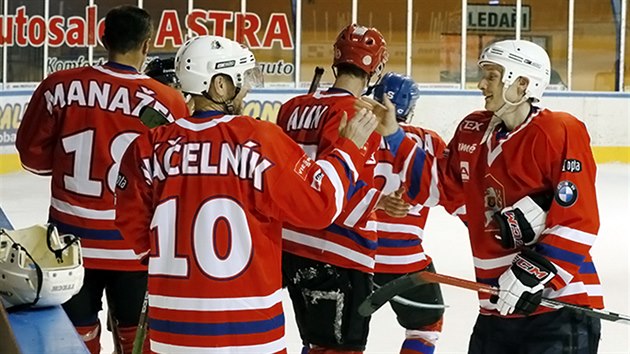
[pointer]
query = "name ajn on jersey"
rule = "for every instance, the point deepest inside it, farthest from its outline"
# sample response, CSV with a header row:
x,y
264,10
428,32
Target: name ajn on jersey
x,y
193,158
306,117
100,94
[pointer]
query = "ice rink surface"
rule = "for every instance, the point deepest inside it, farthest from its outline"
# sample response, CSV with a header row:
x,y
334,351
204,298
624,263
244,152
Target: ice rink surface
x,y
25,197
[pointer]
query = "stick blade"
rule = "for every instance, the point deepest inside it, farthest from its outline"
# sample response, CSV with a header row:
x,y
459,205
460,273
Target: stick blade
x,y
386,292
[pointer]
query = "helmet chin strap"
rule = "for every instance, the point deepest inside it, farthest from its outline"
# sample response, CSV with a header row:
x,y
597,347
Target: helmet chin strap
x,y
500,116
500,113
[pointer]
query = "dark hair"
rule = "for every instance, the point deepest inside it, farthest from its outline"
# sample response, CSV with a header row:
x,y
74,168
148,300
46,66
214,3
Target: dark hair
x,y
349,69
126,27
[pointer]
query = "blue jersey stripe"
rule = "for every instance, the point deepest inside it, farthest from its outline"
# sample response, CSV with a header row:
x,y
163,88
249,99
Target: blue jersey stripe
x,y
560,254
355,237
587,268
416,173
88,234
352,188
216,329
418,346
395,243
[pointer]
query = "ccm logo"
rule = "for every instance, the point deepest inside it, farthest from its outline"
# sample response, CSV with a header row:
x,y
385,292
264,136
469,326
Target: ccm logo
x,y
530,268
472,125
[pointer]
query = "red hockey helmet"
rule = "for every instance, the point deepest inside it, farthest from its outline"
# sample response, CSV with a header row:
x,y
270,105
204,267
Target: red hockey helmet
x,y
362,47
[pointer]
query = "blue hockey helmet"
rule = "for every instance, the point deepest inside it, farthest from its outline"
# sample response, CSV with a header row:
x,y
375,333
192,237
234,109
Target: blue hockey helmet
x,y
401,90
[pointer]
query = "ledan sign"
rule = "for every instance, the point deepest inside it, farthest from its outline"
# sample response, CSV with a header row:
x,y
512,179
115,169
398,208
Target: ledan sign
x,y
497,18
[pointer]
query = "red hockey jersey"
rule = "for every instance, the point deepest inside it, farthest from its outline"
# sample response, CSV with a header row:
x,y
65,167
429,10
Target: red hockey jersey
x,y
312,121
492,169
400,239
206,197
78,124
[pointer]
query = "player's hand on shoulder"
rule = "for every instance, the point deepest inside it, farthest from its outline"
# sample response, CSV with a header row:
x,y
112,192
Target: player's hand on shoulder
x,y
359,128
521,286
386,114
522,223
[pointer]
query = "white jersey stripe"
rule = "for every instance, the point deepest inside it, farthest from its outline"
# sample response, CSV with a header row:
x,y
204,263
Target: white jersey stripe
x,y
400,228
216,304
398,260
566,276
332,175
67,208
197,127
571,289
572,234
348,159
494,262
271,347
360,209
324,245
434,191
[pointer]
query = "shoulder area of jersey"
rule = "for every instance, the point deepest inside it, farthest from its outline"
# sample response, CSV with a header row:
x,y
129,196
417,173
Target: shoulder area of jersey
x,y
69,74
559,122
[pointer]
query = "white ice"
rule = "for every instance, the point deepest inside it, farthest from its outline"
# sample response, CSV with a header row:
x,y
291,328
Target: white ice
x,y
25,197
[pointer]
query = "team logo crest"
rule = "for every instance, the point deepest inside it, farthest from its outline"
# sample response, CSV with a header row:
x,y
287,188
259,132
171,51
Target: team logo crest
x,y
566,194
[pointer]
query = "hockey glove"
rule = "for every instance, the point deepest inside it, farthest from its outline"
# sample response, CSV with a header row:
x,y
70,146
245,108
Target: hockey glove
x,y
521,286
521,224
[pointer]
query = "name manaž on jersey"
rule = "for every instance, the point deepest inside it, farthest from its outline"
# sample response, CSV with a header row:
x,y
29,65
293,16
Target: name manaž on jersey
x,y
77,127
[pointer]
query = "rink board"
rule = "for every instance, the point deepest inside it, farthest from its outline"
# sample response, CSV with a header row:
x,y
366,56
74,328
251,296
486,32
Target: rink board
x,y
37,331
605,114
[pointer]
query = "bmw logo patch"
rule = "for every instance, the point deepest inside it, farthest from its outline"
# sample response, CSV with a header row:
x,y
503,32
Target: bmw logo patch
x,y
566,194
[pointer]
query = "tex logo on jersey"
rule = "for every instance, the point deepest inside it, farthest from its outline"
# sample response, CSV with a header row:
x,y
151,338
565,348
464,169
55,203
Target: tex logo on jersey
x,y
566,193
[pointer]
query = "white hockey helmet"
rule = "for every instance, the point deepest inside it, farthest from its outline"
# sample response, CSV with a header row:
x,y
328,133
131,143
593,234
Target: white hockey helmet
x,y
520,58
203,57
38,267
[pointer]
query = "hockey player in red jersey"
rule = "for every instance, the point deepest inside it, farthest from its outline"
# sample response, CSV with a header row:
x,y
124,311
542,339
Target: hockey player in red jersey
x,y
400,248
501,160
328,272
78,124
205,197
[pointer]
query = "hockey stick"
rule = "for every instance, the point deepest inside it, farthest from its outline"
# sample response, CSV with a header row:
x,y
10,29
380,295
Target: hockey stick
x,y
141,331
380,297
319,72
420,305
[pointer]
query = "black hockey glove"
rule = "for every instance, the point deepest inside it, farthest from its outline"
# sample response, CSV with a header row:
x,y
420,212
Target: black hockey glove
x,y
522,223
521,286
